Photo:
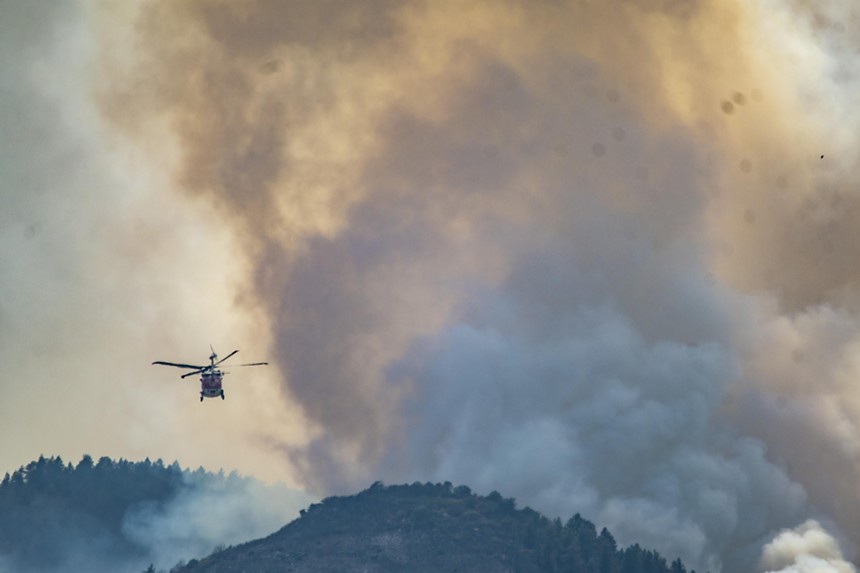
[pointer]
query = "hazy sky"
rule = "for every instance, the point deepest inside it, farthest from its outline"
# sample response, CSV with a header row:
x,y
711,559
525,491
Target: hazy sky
x,y
600,256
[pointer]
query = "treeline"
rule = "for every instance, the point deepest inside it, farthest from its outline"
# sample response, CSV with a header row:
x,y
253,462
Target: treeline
x,y
54,513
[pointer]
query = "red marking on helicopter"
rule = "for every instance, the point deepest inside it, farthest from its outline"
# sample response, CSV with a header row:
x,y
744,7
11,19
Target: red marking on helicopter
x,y
210,375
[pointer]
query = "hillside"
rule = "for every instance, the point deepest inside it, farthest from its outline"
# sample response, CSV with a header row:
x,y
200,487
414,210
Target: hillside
x,y
432,528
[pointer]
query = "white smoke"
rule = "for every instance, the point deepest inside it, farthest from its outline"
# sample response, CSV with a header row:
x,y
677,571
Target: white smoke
x,y
808,548
209,512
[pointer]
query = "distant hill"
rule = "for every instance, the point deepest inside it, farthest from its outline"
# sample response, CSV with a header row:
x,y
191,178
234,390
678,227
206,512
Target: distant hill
x,y
120,516
432,528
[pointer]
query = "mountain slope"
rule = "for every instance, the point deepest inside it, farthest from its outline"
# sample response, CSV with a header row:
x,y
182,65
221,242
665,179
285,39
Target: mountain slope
x,y
431,528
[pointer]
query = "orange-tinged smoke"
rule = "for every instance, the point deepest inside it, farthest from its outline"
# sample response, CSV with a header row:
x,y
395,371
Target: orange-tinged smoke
x,y
466,220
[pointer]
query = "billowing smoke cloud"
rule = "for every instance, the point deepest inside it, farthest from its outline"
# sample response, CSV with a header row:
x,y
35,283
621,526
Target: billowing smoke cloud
x,y
806,549
599,256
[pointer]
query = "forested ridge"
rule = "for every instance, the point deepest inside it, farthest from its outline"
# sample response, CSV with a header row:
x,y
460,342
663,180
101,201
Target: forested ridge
x,y
430,528
59,517
49,507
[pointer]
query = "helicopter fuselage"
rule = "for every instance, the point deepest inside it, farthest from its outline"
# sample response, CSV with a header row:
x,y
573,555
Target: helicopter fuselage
x,y
210,385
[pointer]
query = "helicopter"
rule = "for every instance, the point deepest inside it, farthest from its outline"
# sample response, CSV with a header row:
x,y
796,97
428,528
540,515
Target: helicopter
x,y
210,379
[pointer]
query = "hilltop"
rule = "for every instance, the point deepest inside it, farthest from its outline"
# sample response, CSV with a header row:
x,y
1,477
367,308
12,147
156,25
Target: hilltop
x,y
424,528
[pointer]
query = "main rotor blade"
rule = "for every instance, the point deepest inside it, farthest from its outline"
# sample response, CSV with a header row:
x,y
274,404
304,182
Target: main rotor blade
x,y
178,365
226,357
187,374
254,364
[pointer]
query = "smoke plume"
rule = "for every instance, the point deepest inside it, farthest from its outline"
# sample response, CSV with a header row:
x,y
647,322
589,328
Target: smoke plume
x,y
596,255
806,549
